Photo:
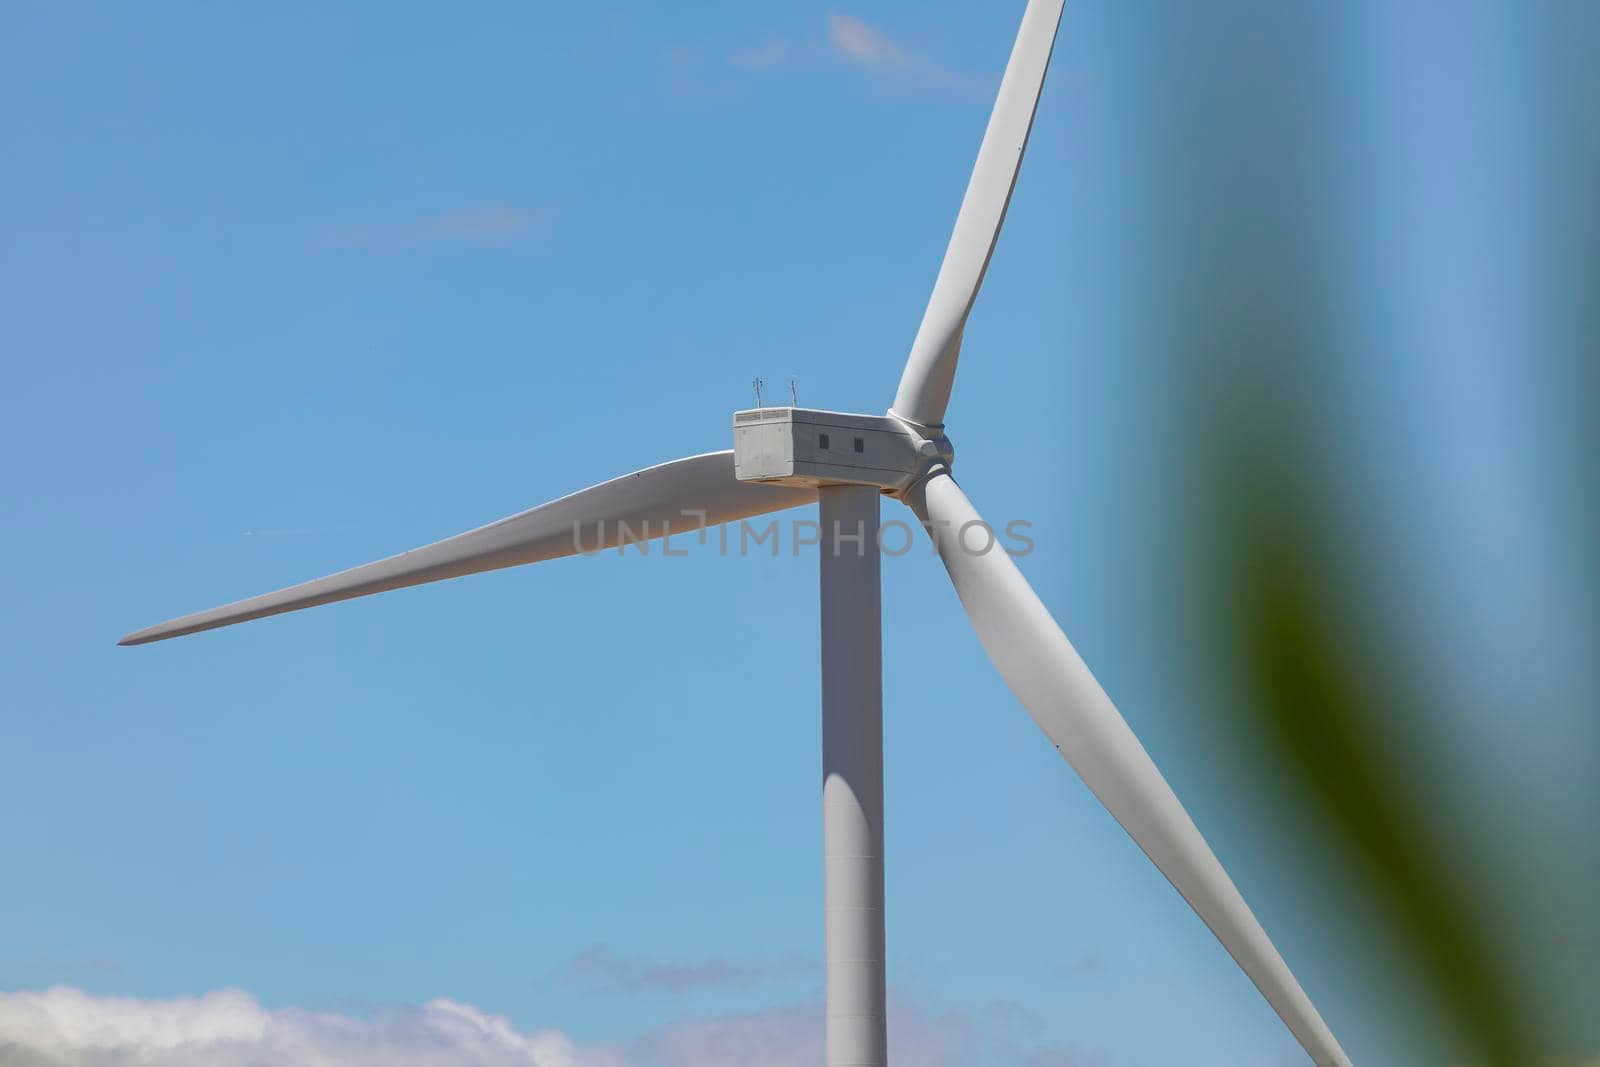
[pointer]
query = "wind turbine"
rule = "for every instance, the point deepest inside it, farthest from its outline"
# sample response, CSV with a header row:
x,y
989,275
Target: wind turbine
x,y
787,457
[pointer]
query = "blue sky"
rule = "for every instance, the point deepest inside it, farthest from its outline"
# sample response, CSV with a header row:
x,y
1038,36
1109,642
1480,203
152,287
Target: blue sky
x,y
290,290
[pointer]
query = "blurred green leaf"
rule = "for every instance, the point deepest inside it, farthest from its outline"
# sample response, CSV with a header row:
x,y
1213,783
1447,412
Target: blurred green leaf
x,y
1319,705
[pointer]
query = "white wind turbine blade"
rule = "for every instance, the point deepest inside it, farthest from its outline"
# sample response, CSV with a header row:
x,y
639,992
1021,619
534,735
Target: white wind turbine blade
x,y
931,368
1041,667
675,497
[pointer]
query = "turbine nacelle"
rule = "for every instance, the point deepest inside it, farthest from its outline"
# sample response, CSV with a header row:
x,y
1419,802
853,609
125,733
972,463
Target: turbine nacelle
x,y
809,448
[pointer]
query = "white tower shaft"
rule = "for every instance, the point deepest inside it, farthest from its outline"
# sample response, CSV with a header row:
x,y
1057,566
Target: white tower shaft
x,y
852,777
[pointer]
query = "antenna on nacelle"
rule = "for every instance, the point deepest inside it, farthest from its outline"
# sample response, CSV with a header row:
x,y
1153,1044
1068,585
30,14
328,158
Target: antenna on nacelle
x,y
758,383
794,394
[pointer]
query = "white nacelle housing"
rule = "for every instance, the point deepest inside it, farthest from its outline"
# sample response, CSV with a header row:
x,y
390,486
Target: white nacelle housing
x,y
801,446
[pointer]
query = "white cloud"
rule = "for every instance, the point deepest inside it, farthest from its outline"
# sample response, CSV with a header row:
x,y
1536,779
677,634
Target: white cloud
x,y
610,970
792,1036
875,51
855,40
762,57
487,222
65,1019
64,1027
480,224
229,1028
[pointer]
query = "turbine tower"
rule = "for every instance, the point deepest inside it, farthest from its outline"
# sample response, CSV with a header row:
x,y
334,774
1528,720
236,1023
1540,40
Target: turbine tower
x,y
785,457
